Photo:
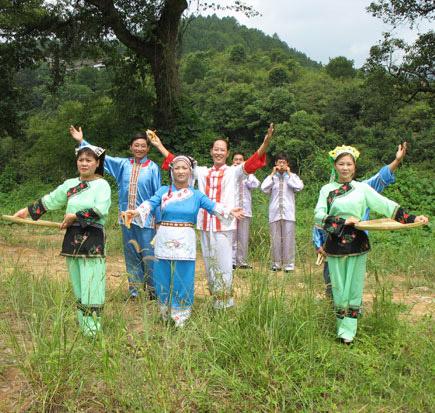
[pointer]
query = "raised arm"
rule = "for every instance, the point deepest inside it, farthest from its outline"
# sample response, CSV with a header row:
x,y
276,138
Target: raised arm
x,y
400,154
266,142
157,143
112,165
76,134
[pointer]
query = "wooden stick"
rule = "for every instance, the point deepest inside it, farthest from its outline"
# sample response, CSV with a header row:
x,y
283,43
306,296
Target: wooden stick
x,y
40,223
320,259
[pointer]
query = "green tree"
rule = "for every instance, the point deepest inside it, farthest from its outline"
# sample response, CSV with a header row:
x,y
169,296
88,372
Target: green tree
x,y
410,66
340,68
278,75
150,29
237,54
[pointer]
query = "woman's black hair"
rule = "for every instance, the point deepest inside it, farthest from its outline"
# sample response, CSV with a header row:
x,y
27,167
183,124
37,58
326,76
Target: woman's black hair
x,y
100,168
140,135
226,140
341,156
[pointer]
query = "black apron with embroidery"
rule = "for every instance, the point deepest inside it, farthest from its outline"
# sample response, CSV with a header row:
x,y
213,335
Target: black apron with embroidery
x,y
84,241
343,239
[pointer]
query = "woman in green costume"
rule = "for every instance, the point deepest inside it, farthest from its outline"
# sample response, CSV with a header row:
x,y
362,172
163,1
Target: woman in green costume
x,y
342,203
87,200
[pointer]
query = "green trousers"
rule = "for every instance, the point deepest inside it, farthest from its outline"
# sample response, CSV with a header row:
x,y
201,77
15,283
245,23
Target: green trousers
x,y
347,278
88,278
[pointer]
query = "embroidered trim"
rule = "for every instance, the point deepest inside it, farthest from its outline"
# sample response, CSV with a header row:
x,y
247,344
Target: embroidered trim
x,y
36,210
90,309
335,193
176,224
176,196
213,190
77,189
340,313
403,217
333,224
86,216
353,312
134,178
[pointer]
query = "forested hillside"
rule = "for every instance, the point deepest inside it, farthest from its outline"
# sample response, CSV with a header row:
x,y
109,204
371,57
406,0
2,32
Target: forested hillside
x,y
234,81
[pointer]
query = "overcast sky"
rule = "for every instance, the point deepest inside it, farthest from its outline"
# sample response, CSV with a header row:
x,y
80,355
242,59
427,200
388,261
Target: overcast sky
x,y
321,29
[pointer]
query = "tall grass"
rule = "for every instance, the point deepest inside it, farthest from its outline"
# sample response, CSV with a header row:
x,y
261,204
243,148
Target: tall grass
x,y
275,351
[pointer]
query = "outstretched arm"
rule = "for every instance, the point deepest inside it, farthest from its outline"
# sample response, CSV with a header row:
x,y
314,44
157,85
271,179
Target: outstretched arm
x,y
400,154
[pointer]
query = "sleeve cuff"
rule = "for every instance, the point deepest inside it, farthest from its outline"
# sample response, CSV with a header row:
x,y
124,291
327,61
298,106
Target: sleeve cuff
x,y
167,161
254,162
403,217
144,210
223,213
37,210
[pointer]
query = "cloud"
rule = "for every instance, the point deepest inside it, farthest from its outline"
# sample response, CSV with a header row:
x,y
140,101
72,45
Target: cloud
x,y
321,29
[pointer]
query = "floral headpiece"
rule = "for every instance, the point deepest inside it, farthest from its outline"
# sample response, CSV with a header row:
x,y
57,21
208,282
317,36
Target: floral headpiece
x,y
335,153
339,150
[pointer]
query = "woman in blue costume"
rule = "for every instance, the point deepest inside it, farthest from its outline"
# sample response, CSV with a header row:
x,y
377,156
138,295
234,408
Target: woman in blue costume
x,y
175,243
138,179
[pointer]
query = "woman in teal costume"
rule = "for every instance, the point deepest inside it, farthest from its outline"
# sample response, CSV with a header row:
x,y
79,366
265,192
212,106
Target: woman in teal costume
x,y
342,203
87,200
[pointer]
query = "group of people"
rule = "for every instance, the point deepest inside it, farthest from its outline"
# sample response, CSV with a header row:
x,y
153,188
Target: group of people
x,y
160,243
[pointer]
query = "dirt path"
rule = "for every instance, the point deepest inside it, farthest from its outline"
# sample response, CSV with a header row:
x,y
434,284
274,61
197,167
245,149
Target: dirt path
x,y
420,301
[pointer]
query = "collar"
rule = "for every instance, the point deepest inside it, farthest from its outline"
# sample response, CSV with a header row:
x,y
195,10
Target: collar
x,y
144,161
219,168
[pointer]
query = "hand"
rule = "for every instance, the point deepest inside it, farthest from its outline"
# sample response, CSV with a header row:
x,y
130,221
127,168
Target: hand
x,y
154,139
320,250
401,152
274,170
238,213
351,221
22,213
422,218
132,213
288,170
76,134
68,220
269,133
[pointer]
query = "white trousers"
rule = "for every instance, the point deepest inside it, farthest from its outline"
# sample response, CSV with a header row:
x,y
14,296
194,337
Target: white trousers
x,y
282,240
240,241
216,250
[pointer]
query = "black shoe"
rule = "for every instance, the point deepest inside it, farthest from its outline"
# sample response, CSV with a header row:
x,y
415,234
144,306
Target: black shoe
x,y
245,267
234,266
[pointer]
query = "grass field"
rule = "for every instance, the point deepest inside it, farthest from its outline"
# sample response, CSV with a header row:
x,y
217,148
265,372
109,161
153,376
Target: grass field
x,y
275,351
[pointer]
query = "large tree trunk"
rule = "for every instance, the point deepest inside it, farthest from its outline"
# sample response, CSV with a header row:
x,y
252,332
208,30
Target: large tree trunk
x,y
160,50
164,65
167,86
